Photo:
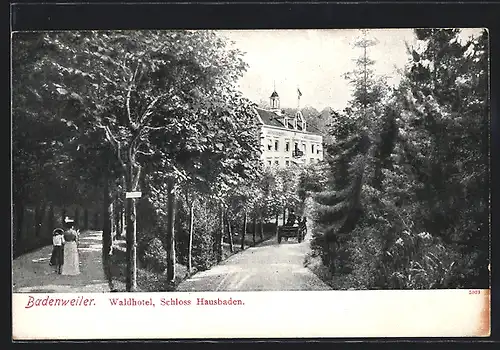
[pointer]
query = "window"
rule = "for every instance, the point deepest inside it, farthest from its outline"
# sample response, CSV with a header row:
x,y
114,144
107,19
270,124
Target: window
x,y
269,162
276,145
287,162
311,160
269,145
287,147
276,162
317,151
312,148
296,146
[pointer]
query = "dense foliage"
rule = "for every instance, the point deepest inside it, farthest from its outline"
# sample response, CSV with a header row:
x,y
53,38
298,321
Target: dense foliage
x,y
407,202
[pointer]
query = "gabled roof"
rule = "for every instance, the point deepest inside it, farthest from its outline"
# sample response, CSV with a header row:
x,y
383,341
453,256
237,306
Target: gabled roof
x,y
272,119
274,94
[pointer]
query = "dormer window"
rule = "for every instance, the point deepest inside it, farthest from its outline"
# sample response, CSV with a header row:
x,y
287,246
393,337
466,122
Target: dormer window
x,y
285,122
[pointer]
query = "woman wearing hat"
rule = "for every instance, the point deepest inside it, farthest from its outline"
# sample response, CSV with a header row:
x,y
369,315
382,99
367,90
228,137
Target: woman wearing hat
x,y
71,259
57,258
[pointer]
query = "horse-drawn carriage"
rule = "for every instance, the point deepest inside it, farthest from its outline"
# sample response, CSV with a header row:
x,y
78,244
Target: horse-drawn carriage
x,y
296,230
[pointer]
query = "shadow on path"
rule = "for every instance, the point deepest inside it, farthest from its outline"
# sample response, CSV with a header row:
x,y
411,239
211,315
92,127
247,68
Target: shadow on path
x,y
31,272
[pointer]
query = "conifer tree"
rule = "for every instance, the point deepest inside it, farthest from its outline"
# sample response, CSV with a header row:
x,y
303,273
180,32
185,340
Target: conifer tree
x,y
340,207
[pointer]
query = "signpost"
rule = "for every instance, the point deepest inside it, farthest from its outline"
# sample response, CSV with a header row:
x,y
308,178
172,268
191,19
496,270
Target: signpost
x,y
131,240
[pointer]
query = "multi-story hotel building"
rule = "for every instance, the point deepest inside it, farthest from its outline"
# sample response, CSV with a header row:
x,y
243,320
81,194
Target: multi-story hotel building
x,y
285,139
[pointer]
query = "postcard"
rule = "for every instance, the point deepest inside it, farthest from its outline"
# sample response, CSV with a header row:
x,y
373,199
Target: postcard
x,y
199,184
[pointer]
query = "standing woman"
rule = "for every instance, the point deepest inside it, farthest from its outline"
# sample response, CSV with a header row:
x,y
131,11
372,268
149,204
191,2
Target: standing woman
x,y
57,258
71,259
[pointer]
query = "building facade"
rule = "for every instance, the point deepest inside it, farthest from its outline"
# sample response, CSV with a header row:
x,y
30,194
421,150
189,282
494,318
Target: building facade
x,y
285,138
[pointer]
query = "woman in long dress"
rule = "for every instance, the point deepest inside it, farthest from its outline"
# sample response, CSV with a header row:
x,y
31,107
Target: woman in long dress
x,y
57,258
71,259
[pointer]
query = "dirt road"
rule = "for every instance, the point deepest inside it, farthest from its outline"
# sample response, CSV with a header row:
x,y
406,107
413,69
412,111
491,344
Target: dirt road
x,y
267,267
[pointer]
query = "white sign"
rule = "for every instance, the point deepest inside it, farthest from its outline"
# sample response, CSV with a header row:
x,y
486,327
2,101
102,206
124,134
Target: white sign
x,y
133,194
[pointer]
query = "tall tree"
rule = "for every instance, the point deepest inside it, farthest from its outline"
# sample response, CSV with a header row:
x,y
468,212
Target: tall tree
x,y
355,133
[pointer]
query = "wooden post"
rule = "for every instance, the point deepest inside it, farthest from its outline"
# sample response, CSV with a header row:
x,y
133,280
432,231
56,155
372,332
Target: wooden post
x,y
170,238
244,230
191,233
230,233
106,221
131,213
254,233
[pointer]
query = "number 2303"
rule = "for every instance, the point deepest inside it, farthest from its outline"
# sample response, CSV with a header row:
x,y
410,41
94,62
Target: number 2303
x,y
474,291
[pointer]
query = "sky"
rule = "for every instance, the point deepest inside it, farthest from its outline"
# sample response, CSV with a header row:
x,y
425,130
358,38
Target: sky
x,y
314,61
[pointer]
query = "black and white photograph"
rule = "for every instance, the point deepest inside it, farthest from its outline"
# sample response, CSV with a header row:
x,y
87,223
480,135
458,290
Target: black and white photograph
x,y
182,161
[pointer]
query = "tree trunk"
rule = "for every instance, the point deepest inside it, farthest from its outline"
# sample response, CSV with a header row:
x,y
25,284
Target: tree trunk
x,y
191,233
51,220
112,217
244,230
63,215
77,217
39,214
277,223
254,232
131,212
107,239
170,237
18,231
86,219
118,220
230,233
221,234
261,231
123,216
96,221
117,216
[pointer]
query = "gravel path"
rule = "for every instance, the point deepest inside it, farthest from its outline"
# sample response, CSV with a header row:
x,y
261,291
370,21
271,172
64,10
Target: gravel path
x,y
267,267
31,272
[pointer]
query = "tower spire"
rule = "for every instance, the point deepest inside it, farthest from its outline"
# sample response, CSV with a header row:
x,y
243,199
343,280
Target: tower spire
x,y
274,100
299,94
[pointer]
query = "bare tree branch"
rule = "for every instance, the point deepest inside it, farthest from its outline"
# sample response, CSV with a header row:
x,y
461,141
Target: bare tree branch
x,y
137,177
155,127
150,153
149,110
127,101
114,143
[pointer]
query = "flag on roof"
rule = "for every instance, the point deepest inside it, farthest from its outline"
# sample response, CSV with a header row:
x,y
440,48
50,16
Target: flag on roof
x,y
298,91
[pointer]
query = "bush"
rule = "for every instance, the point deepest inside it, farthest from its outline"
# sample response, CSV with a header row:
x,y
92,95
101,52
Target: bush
x,y
421,261
152,254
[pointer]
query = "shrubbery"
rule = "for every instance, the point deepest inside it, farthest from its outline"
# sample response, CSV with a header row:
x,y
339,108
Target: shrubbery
x,y
406,206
